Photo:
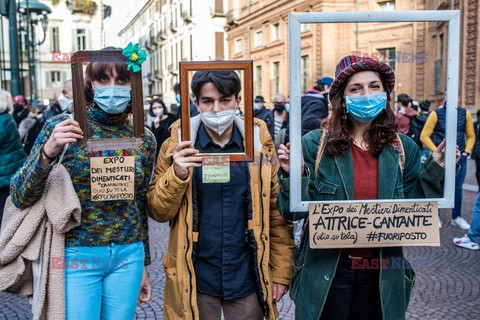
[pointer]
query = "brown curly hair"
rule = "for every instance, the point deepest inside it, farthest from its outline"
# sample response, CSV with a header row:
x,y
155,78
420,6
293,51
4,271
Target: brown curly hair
x,y
339,127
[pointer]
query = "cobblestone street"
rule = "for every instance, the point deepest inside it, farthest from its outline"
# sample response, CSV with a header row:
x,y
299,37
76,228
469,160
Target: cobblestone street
x,y
447,285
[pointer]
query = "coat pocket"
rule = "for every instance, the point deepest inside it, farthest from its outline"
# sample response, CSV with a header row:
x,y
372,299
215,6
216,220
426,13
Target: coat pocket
x,y
325,189
172,293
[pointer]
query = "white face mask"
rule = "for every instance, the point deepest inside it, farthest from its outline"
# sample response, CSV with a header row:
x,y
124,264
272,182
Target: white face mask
x,y
218,121
158,112
65,103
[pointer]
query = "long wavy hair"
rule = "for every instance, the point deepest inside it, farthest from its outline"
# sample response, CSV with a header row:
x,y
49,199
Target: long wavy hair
x,y
339,127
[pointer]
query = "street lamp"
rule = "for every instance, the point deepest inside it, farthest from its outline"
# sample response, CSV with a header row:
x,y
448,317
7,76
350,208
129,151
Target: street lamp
x,y
33,13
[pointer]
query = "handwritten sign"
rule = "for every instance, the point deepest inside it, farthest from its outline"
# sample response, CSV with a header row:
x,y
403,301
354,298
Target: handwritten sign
x,y
112,178
370,224
215,169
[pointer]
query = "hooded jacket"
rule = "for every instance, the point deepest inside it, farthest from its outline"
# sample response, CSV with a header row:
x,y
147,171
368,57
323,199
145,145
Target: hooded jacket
x,y
171,199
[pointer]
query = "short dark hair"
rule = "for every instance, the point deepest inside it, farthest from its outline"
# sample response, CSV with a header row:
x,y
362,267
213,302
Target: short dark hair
x,y
404,99
158,100
176,87
227,82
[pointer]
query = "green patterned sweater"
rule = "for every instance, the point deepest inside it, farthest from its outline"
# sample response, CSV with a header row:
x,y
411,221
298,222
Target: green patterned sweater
x,y
103,222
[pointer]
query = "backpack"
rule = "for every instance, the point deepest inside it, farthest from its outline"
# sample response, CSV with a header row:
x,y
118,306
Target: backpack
x,y
416,126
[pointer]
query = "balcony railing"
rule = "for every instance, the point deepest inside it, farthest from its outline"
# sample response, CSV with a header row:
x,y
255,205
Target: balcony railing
x,y
172,68
233,16
186,16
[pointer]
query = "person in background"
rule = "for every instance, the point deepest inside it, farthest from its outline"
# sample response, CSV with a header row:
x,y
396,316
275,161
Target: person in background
x,y
229,249
193,109
161,121
280,120
29,126
262,113
113,232
416,125
404,113
476,148
355,157
471,238
62,102
436,125
315,105
12,154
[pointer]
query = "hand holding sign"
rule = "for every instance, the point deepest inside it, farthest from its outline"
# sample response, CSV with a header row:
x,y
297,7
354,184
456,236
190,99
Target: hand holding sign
x,y
184,158
284,158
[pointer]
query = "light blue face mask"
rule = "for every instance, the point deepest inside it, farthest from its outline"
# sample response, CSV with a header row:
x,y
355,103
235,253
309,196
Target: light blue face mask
x,y
255,106
112,99
367,107
177,98
287,107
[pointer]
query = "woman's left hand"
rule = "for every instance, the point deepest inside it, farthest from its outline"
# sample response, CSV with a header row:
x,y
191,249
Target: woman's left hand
x,y
439,154
146,287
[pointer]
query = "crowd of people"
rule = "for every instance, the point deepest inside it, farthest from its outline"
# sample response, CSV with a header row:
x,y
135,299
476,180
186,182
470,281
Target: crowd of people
x,y
234,245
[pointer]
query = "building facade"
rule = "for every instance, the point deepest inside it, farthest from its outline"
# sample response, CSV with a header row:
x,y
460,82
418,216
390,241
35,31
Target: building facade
x,y
258,30
173,31
72,26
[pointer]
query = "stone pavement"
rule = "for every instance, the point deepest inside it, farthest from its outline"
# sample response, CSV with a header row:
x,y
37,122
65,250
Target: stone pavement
x,y
447,285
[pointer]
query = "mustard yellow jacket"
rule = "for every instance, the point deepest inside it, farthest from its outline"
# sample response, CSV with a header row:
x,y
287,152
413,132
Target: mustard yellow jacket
x,y
170,199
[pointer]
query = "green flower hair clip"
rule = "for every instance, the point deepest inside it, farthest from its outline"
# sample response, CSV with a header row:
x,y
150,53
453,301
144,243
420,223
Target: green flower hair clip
x,y
135,56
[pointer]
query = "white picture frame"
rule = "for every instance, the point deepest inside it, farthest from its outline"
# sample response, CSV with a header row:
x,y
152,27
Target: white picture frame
x,y
295,19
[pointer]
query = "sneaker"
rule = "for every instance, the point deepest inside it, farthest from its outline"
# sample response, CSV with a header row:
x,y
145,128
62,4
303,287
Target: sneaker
x,y
465,242
461,223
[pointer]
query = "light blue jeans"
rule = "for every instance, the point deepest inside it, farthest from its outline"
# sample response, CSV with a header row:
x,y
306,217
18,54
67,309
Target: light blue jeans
x,y
102,282
474,232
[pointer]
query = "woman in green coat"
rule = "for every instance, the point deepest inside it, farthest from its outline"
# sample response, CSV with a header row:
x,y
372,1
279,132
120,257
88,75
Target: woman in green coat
x,y
358,161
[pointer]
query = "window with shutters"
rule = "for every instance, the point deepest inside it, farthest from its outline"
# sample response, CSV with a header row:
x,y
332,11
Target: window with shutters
x,y
258,80
55,44
55,79
386,5
305,73
276,31
81,39
238,45
258,39
275,80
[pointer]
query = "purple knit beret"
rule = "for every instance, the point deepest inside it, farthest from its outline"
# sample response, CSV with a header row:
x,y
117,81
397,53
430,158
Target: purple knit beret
x,y
351,64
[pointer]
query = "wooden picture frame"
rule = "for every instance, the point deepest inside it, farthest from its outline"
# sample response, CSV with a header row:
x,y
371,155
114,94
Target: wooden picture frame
x,y
244,65
80,105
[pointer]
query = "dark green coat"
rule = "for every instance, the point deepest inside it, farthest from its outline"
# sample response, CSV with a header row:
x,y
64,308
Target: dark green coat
x,y
12,155
314,269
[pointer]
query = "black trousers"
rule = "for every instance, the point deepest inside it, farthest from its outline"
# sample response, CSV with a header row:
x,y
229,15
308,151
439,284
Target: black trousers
x,y
354,294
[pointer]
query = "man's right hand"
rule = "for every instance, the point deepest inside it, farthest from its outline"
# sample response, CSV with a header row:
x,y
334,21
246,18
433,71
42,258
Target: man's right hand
x,y
184,158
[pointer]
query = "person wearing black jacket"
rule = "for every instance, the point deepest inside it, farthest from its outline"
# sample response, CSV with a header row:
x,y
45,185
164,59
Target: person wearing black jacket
x,y
261,112
161,121
315,105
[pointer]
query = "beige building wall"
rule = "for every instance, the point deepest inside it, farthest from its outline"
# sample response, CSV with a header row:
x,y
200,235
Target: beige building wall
x,y
326,44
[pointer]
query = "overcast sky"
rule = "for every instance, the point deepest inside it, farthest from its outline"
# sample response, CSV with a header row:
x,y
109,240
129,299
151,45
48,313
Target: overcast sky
x,y
113,24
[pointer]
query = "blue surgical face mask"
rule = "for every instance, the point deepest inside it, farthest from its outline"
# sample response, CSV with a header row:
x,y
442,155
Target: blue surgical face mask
x,y
255,106
287,107
177,98
367,107
112,99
